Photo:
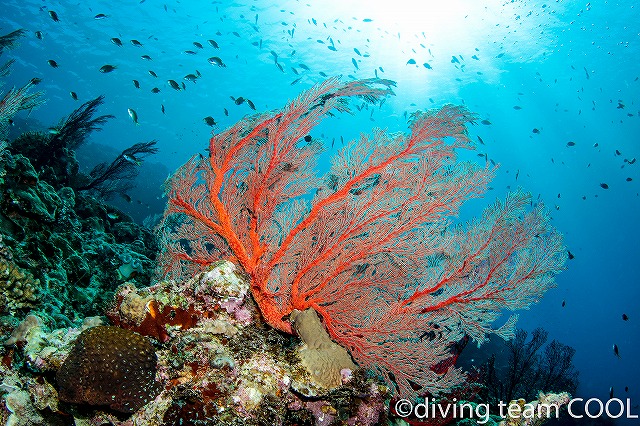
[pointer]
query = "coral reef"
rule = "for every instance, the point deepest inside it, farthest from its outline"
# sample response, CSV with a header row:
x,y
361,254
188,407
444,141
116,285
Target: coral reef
x,y
70,241
217,364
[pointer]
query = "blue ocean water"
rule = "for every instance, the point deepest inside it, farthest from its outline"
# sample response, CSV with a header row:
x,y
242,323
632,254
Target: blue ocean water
x,y
542,75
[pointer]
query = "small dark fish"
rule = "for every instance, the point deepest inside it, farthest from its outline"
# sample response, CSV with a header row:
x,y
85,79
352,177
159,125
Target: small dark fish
x,y
616,352
333,48
626,388
411,62
190,77
153,74
189,52
564,303
136,83
155,90
275,55
213,44
238,100
214,60
536,131
100,16
280,67
174,84
323,74
500,55
618,152
126,197
54,16
517,107
604,186
304,67
183,85
107,68
39,35
251,105
162,108
136,43
586,72
307,138
235,33
427,66
629,179
116,41
35,80
296,81
209,121
74,95
480,139
454,60
625,317
53,63
146,57
198,45
486,122
355,63
226,112
357,51
367,20
570,143
571,255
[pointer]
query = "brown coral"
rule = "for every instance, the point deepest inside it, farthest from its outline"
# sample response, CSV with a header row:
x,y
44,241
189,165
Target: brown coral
x,y
109,366
323,359
18,288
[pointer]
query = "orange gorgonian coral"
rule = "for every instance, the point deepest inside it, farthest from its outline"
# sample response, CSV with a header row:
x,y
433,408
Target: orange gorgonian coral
x,y
368,246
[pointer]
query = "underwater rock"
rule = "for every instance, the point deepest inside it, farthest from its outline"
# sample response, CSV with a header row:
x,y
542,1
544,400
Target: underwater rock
x,y
157,310
23,329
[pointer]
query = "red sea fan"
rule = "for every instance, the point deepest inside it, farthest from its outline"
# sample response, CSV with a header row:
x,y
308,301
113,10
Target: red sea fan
x,y
373,252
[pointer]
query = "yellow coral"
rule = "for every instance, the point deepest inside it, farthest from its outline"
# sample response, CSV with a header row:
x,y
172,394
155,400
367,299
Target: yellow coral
x,y
18,288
